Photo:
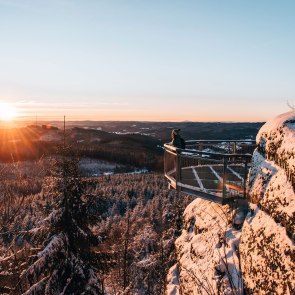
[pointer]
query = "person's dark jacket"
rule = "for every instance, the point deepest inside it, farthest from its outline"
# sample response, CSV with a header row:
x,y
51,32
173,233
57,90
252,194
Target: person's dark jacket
x,y
177,141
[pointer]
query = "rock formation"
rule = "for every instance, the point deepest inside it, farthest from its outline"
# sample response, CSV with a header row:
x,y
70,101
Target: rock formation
x,y
267,241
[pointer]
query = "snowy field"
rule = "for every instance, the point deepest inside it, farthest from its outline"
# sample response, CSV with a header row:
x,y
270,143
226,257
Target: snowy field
x,y
92,167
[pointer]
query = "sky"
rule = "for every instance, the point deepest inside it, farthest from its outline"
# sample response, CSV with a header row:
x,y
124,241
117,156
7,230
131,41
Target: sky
x,y
222,60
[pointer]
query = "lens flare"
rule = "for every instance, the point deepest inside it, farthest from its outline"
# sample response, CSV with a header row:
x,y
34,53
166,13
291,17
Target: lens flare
x,y
7,111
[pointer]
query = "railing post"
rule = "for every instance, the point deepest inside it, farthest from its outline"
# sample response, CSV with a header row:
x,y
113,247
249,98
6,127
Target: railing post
x,y
235,148
200,146
178,169
225,160
200,149
245,176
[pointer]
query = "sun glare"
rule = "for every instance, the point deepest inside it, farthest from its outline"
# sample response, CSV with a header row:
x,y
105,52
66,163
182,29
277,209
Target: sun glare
x,y
7,112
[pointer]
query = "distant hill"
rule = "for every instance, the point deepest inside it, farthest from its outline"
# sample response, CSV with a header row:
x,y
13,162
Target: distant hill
x,y
129,143
189,130
162,130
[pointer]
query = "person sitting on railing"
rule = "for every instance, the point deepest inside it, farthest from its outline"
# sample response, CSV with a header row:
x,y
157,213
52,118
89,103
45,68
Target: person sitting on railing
x,y
177,140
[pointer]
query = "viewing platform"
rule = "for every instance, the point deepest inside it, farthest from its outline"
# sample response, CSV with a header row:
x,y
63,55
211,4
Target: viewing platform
x,y
215,170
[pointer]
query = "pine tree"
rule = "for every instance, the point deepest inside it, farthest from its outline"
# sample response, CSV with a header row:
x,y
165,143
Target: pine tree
x,y
66,265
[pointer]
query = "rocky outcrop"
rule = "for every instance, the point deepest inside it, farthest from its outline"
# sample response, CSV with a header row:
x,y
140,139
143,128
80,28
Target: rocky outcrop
x,y
267,241
207,252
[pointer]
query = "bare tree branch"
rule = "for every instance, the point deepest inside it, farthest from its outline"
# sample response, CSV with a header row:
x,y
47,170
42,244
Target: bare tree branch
x,y
291,106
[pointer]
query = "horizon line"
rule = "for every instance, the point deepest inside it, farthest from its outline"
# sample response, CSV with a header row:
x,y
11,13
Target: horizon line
x,y
142,121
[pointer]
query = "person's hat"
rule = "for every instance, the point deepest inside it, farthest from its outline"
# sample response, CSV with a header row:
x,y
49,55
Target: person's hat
x,y
175,131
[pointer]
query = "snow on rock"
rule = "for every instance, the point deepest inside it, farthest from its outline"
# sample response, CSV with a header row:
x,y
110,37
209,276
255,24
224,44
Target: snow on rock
x,y
276,141
267,243
173,283
207,253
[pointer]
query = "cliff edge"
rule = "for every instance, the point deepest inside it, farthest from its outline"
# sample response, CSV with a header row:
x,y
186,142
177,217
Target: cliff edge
x,y
267,241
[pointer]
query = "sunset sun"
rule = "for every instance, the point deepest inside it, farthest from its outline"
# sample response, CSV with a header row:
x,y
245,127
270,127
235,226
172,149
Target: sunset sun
x,y
7,112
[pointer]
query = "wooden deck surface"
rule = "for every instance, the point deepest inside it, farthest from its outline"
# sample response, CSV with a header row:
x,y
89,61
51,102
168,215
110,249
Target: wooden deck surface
x,y
209,178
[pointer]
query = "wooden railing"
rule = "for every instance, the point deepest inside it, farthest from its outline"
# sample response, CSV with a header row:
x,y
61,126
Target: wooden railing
x,y
217,171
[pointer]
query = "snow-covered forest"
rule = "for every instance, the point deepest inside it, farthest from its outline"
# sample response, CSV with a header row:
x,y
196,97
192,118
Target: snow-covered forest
x,y
65,234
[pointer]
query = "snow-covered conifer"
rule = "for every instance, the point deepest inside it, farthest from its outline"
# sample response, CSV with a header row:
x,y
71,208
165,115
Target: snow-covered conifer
x,y
66,265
